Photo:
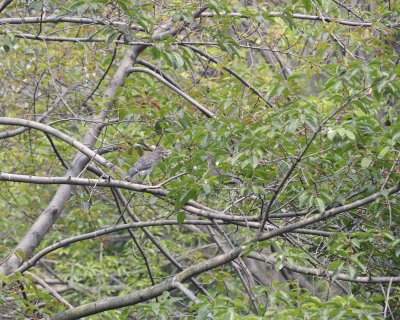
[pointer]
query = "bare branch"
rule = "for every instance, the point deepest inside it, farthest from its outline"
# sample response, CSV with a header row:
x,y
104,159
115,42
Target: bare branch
x,y
54,293
300,16
98,233
203,109
29,36
78,20
5,4
186,291
327,214
75,181
159,71
232,72
325,273
147,293
62,136
13,133
89,21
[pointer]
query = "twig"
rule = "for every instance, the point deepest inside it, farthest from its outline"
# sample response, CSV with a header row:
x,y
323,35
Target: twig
x,y
169,180
54,293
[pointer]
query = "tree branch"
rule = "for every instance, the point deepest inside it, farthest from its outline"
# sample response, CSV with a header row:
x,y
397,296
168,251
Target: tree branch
x,y
232,72
324,273
98,233
301,16
62,136
54,293
78,20
203,109
5,4
147,293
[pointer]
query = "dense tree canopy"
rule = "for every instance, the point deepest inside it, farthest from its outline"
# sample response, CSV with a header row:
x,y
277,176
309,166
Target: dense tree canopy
x,y
278,196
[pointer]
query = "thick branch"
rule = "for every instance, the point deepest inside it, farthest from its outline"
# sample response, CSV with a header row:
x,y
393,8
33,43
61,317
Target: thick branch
x,y
58,134
98,233
79,20
148,293
29,36
327,214
191,206
5,4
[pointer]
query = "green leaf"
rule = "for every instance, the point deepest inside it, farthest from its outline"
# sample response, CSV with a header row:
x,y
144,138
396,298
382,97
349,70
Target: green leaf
x,y
36,5
331,134
187,17
181,216
155,52
335,265
122,113
206,188
190,194
350,135
20,253
111,38
356,242
388,235
278,265
384,151
352,271
365,162
320,204
358,261
307,4
254,162
176,17
178,60
341,132
143,23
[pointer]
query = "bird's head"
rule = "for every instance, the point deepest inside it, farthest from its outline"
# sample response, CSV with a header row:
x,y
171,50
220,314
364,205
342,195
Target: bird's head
x,y
163,152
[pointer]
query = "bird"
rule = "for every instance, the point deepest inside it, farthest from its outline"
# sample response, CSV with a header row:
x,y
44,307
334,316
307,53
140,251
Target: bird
x,y
145,164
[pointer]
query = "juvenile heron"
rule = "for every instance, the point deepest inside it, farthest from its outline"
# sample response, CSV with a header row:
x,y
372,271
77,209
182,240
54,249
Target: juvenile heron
x,y
145,164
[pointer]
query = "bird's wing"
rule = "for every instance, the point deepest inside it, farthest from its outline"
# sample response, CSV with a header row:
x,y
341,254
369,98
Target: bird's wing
x,y
140,166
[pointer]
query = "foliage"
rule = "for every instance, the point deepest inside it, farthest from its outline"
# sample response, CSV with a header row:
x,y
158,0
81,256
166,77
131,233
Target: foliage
x,y
310,125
